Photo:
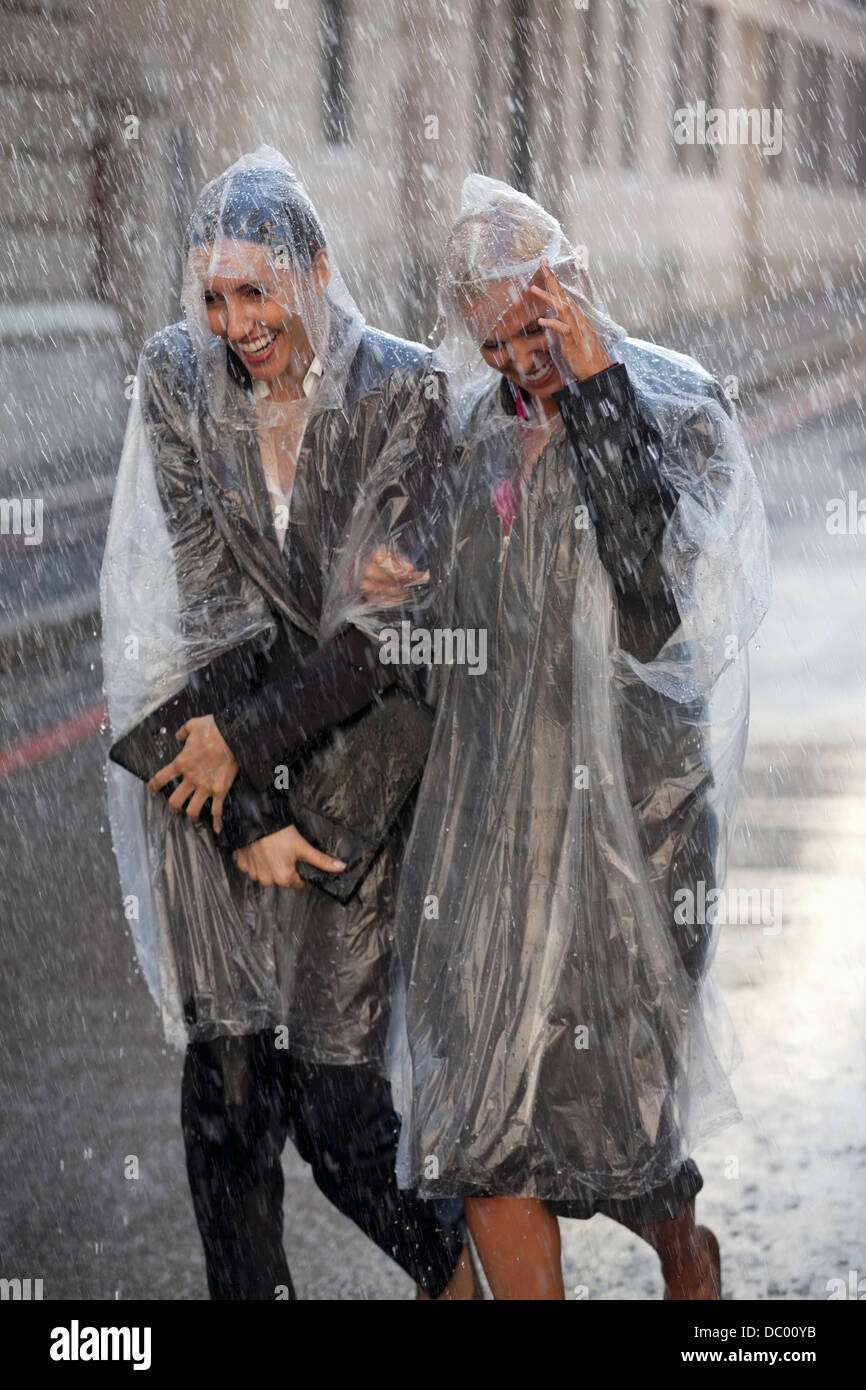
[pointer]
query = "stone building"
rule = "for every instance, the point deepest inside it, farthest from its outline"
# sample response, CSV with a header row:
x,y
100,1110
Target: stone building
x,y
113,113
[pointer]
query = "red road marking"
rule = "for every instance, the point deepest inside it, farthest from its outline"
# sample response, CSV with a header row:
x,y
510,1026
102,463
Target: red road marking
x,y
50,741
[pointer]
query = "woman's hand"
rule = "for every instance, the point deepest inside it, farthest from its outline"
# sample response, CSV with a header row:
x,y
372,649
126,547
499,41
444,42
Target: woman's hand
x,y
580,346
388,577
274,859
207,766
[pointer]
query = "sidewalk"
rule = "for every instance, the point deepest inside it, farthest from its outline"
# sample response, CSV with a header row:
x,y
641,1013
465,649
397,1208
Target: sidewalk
x,y
769,344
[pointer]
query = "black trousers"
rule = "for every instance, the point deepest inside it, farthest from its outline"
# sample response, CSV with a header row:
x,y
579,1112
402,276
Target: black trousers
x,y
241,1099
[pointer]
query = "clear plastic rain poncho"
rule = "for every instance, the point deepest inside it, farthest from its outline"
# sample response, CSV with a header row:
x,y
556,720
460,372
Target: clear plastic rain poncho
x,y
555,922
212,543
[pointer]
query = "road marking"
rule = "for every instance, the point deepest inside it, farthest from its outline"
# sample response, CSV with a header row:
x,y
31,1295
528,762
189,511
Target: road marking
x,y
52,740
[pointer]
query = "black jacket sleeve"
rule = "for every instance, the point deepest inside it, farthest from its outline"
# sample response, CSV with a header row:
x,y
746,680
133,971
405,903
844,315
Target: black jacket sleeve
x,y
299,702
618,453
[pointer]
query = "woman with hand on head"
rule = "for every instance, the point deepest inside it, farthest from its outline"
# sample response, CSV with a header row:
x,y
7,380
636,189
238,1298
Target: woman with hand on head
x,y
558,1056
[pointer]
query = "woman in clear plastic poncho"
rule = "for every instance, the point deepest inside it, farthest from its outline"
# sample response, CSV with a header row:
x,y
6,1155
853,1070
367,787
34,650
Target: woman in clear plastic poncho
x,y
257,421
233,494
563,1040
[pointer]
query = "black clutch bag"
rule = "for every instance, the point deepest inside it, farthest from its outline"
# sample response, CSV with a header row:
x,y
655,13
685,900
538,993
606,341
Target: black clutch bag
x,y
344,795
152,743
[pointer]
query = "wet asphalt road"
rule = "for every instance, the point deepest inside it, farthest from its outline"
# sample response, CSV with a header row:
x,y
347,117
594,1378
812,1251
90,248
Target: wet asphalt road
x,y
87,1081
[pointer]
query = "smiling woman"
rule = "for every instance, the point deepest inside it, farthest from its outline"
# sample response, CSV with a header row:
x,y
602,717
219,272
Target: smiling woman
x,y
259,425
258,318
538,330
564,1049
266,288
226,402
542,338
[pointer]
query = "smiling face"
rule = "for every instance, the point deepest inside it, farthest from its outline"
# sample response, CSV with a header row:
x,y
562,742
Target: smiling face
x,y
256,307
515,346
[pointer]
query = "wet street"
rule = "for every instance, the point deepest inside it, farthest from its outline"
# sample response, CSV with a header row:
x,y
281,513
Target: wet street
x,y
88,1082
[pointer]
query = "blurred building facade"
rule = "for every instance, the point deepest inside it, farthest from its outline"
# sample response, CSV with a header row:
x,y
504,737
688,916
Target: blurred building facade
x,y
115,112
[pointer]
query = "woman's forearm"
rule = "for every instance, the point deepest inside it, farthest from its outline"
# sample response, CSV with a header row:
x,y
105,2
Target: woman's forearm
x,y
619,457
298,702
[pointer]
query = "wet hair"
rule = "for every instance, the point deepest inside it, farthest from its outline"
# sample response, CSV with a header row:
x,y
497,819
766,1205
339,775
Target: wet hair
x,y
488,243
263,205
501,237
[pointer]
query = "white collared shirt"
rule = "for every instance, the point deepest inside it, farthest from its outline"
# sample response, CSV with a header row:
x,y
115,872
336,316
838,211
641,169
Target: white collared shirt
x,y
308,386
269,442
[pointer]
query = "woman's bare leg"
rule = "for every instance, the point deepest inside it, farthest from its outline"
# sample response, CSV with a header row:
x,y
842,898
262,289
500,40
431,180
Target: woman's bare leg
x,y
517,1240
689,1255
